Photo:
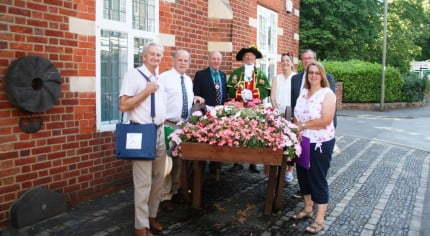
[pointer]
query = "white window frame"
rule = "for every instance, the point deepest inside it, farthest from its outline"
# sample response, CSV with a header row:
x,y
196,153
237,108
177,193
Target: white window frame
x,y
125,27
270,57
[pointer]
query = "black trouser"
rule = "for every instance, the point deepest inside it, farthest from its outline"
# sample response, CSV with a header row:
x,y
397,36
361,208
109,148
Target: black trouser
x,y
314,180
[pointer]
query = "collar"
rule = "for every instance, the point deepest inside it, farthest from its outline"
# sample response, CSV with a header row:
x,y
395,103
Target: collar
x,y
177,75
145,70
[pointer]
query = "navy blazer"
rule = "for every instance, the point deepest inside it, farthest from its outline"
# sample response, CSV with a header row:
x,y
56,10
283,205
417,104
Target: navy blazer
x,y
296,82
204,86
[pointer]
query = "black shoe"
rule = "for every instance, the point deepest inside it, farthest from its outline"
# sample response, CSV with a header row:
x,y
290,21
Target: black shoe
x,y
167,206
214,167
253,169
236,167
178,198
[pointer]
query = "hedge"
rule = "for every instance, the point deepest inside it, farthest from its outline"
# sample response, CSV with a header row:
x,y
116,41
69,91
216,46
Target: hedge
x,y
414,87
362,81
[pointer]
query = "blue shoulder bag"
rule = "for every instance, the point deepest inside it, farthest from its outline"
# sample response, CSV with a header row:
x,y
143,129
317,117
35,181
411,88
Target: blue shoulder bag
x,y
137,141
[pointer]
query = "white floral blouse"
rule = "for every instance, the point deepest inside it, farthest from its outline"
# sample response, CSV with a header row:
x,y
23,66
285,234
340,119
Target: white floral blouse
x,y
310,109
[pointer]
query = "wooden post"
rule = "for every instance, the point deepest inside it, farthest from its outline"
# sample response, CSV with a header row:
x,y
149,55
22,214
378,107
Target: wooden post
x,y
197,184
280,183
270,191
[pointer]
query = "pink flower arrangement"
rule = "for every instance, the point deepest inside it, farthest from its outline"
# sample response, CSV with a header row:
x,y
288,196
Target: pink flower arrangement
x,y
233,125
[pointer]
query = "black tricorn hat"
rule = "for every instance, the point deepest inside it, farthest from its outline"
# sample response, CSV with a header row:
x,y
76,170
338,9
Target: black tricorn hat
x,y
253,49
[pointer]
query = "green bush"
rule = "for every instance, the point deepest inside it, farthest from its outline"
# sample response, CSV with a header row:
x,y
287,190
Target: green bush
x,y
362,81
428,85
414,87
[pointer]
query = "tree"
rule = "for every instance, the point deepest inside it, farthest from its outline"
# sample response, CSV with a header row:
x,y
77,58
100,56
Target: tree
x,y
406,32
339,29
352,29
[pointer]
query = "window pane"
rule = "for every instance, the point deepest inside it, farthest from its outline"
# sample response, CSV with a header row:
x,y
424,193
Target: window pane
x,y
273,33
271,69
262,34
113,66
144,15
114,10
137,49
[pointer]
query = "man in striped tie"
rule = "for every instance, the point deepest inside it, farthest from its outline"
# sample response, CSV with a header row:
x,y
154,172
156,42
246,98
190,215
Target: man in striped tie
x,y
180,97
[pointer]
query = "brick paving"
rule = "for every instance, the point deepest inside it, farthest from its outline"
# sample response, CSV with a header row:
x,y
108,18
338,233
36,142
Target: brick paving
x,y
376,188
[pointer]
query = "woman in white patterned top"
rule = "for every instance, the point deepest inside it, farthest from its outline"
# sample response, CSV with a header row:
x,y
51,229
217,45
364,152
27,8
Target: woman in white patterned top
x,y
314,113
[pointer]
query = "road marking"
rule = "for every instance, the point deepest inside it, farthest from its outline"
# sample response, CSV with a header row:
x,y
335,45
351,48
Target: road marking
x,y
417,211
338,150
376,214
351,161
340,206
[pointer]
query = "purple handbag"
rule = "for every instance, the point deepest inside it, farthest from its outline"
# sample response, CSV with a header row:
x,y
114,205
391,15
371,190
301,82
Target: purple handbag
x,y
304,160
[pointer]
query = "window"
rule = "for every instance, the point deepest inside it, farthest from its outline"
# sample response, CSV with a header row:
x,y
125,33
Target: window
x,y
267,39
123,27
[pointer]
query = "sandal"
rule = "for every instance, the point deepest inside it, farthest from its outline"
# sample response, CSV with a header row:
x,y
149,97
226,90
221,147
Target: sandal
x,y
315,228
301,215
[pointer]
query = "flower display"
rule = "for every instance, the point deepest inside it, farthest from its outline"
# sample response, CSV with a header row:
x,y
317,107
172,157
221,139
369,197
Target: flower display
x,y
234,125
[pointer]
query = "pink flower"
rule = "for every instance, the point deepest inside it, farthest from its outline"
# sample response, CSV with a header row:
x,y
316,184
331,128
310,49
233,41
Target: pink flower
x,y
235,126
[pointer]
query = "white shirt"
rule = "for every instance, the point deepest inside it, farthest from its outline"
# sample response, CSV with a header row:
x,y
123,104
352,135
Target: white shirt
x,y
134,83
249,70
171,81
283,91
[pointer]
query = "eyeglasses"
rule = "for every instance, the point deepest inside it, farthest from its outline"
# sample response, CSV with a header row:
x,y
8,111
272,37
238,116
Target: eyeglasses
x,y
314,73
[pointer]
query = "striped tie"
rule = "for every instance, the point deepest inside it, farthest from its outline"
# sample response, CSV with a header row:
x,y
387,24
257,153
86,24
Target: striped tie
x,y
184,114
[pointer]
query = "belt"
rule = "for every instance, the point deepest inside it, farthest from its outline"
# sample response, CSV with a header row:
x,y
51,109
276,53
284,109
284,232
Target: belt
x,y
135,123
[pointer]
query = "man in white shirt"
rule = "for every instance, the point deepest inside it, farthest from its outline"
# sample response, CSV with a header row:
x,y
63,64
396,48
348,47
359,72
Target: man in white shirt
x,y
180,97
135,99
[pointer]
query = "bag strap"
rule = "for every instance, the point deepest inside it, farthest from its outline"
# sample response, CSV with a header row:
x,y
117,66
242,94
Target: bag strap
x,y
152,96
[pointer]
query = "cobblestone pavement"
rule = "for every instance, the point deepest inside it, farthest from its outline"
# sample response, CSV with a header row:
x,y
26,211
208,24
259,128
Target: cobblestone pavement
x,y
376,188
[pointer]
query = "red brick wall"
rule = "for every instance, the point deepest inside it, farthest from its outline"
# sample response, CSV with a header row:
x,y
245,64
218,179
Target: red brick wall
x,y
68,155
194,36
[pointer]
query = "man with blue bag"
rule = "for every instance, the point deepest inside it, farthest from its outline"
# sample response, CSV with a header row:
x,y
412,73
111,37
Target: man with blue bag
x,y
135,98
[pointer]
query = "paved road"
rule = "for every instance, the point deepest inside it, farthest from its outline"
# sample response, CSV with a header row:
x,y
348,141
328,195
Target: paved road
x,y
378,183
408,127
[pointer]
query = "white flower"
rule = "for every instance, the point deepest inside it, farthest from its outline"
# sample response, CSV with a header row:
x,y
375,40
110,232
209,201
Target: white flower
x,y
237,114
246,95
197,113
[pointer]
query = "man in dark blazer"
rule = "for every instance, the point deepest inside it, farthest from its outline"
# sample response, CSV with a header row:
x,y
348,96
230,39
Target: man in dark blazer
x,y
211,83
297,81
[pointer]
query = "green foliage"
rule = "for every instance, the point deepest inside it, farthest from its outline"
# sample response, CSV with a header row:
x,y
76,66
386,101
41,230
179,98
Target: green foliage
x,y
353,29
362,81
340,30
414,87
414,16
405,30
427,85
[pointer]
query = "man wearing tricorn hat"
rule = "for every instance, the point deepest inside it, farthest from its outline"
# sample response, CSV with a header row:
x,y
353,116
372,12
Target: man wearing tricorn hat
x,y
247,83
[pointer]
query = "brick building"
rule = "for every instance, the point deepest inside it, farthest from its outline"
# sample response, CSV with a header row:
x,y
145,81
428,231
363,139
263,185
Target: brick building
x,y
92,45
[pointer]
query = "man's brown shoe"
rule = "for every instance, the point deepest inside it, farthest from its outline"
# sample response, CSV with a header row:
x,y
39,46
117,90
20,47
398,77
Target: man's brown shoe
x,y
155,225
143,232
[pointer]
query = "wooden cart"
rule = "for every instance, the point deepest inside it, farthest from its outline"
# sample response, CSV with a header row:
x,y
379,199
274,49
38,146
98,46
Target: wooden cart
x,y
199,152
